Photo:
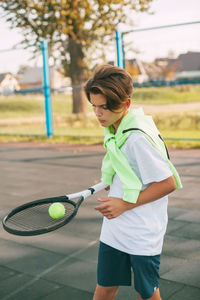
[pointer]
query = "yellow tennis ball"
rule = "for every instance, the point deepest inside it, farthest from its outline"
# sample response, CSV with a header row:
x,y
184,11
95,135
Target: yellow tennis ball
x,y
56,210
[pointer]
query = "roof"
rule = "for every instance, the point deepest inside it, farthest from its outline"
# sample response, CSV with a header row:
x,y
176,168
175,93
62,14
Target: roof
x,y
190,61
2,76
31,75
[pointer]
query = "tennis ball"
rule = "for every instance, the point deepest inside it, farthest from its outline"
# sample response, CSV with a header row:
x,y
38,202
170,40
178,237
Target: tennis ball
x,y
56,210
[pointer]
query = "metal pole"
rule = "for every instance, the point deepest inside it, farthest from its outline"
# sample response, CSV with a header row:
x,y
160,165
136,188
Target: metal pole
x,y
161,27
120,49
47,89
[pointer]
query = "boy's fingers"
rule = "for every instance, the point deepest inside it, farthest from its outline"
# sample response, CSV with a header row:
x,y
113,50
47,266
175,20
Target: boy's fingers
x,y
102,207
103,199
99,207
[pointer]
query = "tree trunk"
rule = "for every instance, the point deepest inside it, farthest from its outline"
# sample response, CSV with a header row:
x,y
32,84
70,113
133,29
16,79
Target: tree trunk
x,y
77,76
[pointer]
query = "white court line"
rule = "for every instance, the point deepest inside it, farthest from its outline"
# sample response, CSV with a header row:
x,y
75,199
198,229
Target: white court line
x,y
37,277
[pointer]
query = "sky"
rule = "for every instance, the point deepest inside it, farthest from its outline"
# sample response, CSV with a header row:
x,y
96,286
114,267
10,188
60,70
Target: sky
x,y
158,43
149,44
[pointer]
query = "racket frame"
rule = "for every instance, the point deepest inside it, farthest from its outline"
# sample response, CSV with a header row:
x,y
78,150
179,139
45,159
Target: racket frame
x,y
62,199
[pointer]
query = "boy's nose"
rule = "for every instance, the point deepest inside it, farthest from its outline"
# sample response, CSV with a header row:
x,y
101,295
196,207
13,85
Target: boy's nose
x,y
98,112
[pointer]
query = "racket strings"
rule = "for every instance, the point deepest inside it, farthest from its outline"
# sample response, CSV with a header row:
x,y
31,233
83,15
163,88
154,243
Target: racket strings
x,y
37,217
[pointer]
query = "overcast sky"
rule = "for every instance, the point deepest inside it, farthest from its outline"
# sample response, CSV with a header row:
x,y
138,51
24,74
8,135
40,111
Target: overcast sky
x,y
151,44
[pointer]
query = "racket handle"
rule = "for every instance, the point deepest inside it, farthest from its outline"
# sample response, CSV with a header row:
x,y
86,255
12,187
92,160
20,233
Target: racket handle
x,y
90,191
94,189
98,187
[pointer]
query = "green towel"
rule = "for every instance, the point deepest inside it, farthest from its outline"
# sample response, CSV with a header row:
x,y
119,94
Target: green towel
x,y
116,162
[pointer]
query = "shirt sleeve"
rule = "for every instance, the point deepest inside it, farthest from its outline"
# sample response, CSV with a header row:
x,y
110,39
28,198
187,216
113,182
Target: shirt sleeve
x,y
150,165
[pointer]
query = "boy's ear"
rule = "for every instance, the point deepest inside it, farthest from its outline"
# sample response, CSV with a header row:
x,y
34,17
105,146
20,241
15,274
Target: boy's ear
x,y
128,103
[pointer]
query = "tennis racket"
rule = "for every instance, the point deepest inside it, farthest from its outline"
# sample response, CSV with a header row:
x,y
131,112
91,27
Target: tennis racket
x,y
32,218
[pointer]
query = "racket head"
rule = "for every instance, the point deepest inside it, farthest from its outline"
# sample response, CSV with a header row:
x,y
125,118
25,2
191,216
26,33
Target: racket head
x,y
33,218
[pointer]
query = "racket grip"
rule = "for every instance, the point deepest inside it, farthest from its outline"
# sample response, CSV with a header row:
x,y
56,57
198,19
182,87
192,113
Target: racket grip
x,y
90,191
98,187
94,189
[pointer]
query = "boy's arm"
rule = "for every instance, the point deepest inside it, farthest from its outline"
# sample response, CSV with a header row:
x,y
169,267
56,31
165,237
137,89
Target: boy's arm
x,y
112,207
156,190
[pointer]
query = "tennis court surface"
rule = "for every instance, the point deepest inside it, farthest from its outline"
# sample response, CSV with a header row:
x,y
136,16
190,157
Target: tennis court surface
x,y
62,264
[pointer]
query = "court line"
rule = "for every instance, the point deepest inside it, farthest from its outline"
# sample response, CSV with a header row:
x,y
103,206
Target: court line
x,y
37,277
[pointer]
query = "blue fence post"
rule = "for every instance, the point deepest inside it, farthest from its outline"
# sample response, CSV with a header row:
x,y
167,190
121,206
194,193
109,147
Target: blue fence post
x,y
47,89
120,49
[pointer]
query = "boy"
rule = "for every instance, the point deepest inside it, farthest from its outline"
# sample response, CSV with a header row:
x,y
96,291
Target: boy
x,y
140,176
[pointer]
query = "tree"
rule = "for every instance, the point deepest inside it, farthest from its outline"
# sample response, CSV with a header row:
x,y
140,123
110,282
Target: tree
x,y
71,27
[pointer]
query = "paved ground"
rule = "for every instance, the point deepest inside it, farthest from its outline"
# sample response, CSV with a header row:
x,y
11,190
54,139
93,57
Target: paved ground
x,y
62,265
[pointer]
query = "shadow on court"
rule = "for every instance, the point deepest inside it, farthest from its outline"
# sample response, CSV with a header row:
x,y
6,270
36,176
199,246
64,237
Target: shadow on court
x,y
62,264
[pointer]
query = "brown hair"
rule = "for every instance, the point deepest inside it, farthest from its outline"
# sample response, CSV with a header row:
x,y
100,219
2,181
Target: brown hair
x,y
114,83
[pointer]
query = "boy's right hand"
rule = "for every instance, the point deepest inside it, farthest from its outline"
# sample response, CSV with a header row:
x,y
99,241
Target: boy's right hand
x,y
112,207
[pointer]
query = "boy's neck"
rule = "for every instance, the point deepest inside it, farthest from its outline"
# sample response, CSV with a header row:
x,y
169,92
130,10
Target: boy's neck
x,y
115,126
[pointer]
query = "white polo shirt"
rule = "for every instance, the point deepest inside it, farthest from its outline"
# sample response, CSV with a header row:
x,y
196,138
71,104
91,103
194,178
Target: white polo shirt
x,y
139,231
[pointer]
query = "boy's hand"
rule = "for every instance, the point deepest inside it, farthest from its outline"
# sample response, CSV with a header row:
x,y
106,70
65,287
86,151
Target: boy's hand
x,y
112,207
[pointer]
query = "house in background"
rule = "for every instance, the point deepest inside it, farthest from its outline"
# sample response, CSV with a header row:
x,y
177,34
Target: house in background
x,y
137,70
189,66
8,84
186,66
189,61
31,78
193,76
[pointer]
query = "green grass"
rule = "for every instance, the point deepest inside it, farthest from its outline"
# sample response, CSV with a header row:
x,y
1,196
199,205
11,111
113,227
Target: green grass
x,y
61,104
90,139
33,105
39,129
74,128
178,121
167,95
175,138
53,140
21,106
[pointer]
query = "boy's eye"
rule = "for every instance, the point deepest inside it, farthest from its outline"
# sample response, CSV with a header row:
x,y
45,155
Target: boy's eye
x,y
104,107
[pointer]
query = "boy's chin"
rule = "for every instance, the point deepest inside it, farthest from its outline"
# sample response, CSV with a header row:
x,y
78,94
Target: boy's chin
x,y
103,123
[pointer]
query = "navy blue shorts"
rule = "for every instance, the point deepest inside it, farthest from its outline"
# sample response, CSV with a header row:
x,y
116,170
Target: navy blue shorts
x,y
114,269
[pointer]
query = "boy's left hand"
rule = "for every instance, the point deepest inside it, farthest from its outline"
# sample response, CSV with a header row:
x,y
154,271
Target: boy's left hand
x,y
111,207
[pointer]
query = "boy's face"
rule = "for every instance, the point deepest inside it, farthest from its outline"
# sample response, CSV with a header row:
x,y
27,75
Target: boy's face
x,y
105,116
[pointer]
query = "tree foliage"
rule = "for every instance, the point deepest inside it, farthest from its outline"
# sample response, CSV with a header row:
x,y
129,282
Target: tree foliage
x,y
72,27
